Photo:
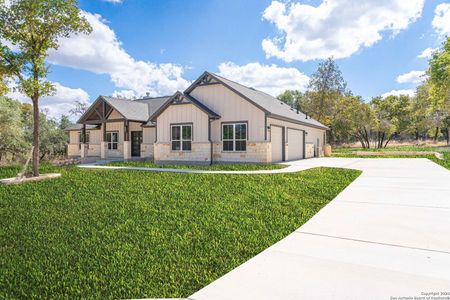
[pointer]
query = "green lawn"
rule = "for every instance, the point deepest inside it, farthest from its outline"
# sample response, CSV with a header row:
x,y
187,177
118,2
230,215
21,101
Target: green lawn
x,y
440,149
132,234
214,167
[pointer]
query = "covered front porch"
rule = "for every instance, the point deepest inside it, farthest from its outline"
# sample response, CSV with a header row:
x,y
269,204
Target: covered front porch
x,y
118,136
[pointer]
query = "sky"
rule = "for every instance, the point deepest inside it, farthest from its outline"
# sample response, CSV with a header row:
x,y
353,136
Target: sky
x,y
160,46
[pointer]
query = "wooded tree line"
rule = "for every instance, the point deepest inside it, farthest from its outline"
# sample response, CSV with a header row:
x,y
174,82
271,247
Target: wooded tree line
x,y
376,123
16,132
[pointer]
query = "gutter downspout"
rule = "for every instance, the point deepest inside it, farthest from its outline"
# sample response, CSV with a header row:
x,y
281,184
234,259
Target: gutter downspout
x,y
210,141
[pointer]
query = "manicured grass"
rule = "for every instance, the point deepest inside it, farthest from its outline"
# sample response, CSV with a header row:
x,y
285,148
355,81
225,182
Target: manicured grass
x,y
130,234
412,148
214,167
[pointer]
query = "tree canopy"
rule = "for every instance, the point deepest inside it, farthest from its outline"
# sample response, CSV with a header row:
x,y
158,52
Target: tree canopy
x,y
33,27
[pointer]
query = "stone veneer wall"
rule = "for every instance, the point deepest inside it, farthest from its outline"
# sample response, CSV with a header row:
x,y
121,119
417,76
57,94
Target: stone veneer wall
x,y
257,152
200,154
147,150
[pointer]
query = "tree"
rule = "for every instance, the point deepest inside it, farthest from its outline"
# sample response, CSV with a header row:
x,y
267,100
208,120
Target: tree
x,y
439,80
12,134
420,111
34,27
79,109
354,119
326,86
393,114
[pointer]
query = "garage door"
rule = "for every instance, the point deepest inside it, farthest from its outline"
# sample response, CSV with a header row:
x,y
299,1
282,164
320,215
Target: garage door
x,y
277,143
295,144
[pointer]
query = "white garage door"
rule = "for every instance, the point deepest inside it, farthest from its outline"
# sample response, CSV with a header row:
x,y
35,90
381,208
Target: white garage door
x,y
277,143
295,144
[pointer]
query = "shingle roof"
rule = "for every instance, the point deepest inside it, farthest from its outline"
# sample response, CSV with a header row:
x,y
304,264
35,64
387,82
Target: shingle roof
x,y
269,103
130,109
80,126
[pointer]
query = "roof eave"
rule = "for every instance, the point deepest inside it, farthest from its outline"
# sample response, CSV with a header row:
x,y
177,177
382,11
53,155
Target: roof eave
x,y
283,118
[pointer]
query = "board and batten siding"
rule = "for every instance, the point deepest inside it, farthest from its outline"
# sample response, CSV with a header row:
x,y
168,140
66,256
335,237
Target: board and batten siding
x,y
148,135
312,133
181,114
232,108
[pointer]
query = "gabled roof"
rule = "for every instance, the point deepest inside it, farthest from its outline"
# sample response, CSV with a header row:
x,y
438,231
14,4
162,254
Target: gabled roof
x,y
269,104
180,98
134,110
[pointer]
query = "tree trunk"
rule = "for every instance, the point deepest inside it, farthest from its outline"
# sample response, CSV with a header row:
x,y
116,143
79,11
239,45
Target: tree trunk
x,y
436,134
36,136
448,135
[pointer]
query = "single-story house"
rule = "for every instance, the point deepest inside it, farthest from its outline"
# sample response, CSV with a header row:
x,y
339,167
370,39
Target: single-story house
x,y
213,120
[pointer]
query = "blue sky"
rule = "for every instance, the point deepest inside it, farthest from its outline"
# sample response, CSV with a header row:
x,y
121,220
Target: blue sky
x,y
157,46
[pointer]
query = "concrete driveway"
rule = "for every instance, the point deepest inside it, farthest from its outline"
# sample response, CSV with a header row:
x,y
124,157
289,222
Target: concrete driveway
x,y
386,235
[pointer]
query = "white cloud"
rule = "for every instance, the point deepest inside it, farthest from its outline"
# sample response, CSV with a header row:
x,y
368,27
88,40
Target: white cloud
x,y
271,79
441,20
126,94
337,28
101,52
427,53
411,77
409,92
114,1
60,103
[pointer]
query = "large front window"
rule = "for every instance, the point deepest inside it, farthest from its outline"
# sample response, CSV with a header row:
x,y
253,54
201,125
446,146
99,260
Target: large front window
x,y
112,139
181,137
234,137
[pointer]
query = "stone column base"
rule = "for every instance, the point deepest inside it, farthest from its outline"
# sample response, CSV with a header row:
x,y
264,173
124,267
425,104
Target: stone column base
x,y
126,150
84,151
104,150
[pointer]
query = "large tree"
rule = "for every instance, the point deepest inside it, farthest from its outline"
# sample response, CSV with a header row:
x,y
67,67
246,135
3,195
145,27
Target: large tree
x,y
393,114
439,80
34,27
325,88
354,119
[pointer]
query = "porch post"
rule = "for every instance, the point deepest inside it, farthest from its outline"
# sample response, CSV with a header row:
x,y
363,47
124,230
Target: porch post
x,y
103,143
84,149
126,140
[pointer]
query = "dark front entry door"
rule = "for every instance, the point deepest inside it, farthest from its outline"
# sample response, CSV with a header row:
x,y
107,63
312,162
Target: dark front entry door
x,y
136,141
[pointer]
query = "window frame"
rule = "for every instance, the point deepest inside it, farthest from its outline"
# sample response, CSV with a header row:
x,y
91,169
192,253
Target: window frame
x,y
88,136
234,139
110,143
181,140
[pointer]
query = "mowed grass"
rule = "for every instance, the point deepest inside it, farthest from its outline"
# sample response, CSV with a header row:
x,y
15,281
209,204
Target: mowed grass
x,y
131,234
214,167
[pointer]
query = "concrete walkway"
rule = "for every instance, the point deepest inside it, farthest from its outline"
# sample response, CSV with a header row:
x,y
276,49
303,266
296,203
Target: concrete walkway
x,y
386,235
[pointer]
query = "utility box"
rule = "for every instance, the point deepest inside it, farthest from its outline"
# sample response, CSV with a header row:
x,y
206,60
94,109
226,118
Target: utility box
x,y
327,150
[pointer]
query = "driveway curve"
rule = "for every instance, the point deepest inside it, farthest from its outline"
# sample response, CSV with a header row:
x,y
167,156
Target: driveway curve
x,y
386,236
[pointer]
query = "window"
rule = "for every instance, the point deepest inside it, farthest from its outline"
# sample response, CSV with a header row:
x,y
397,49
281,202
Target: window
x,y
181,137
80,138
234,137
112,138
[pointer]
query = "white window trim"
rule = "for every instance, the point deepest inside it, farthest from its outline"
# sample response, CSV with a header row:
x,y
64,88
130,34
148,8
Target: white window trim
x,y
111,142
234,140
181,140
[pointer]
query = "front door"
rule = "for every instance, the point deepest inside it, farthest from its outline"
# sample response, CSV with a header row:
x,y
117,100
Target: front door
x,y
136,141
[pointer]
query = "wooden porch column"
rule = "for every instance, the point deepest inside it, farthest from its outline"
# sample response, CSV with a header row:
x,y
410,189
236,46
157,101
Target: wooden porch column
x,y
126,140
83,150
103,143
